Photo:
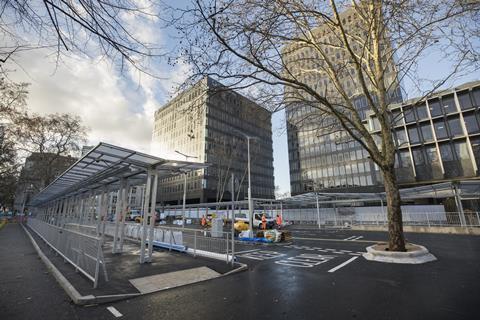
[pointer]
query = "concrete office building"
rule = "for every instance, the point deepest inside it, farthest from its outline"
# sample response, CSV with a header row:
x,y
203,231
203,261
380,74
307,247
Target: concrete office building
x,y
438,138
208,123
321,155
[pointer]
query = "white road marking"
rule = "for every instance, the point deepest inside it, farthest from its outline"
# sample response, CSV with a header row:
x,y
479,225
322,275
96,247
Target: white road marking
x,y
262,255
306,260
342,265
114,312
358,238
349,238
247,251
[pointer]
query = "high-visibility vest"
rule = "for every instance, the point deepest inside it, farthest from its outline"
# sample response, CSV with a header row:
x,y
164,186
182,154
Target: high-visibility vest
x,y
279,220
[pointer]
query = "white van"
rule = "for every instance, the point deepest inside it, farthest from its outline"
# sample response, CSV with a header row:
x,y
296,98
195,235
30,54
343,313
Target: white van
x,y
257,219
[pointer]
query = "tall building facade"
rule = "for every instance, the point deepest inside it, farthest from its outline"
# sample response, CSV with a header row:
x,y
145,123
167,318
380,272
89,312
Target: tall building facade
x,y
209,123
323,156
437,139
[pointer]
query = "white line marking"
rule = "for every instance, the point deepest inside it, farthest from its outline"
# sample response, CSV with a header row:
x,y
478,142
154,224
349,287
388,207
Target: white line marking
x,y
358,238
247,251
342,265
349,238
114,312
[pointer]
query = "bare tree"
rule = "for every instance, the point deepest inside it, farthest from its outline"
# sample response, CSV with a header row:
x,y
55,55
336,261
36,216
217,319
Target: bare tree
x,y
109,28
277,49
23,133
54,135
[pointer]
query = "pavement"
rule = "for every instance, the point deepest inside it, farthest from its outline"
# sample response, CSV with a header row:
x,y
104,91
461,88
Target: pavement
x,y
320,275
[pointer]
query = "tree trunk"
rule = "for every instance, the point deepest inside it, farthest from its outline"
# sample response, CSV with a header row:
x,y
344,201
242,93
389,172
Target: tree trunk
x,y
396,241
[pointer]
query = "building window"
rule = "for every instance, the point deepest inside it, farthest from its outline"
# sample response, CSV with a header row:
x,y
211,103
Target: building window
x,y
401,137
422,112
426,132
461,152
476,150
448,104
471,122
435,108
413,135
408,114
440,129
465,100
476,97
455,127
449,164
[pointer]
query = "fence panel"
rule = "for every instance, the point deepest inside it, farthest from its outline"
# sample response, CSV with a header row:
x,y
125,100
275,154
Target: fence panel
x,y
83,251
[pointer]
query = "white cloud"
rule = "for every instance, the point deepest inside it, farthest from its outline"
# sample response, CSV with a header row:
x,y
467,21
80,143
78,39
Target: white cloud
x,y
114,108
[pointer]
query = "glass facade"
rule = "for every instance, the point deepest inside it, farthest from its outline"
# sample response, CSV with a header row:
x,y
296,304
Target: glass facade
x,y
439,139
207,123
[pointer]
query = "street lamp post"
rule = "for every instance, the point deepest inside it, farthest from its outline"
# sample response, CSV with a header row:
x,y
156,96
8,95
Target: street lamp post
x,y
184,186
250,200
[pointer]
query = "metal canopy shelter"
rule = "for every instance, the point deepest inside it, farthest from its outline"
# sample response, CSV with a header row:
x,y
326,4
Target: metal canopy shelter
x,y
106,165
81,193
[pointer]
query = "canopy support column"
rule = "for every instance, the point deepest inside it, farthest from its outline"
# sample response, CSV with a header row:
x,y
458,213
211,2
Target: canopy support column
x,y
152,216
145,218
126,202
118,212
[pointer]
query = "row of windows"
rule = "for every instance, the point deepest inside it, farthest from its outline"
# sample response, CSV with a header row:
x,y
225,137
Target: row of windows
x,y
345,182
453,155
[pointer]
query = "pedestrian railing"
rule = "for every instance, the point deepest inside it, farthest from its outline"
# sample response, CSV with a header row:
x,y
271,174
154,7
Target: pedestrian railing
x,y
429,219
202,242
83,251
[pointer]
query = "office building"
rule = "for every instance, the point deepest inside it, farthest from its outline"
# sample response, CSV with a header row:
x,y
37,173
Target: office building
x,y
322,156
209,123
438,139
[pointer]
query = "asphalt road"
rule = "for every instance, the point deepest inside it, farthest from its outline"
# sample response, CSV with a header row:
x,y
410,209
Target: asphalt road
x,y
320,275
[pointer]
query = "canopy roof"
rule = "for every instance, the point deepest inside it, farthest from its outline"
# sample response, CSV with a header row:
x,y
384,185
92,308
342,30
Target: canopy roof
x,y
468,189
106,165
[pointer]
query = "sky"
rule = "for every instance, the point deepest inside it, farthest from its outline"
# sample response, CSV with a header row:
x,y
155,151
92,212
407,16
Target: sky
x,y
118,107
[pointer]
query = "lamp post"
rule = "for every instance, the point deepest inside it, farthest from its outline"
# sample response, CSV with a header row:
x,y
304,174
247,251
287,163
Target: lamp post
x,y
184,186
250,200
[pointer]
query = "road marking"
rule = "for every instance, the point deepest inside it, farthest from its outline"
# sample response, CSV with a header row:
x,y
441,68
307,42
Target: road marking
x,y
247,251
262,255
305,260
334,240
342,265
114,312
349,238
358,238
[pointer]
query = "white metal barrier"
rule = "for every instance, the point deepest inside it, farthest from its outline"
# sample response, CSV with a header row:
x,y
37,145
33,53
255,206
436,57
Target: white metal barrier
x,y
82,250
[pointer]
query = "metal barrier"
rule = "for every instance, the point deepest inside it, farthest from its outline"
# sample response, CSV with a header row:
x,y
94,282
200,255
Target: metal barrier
x,y
429,219
83,251
202,242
